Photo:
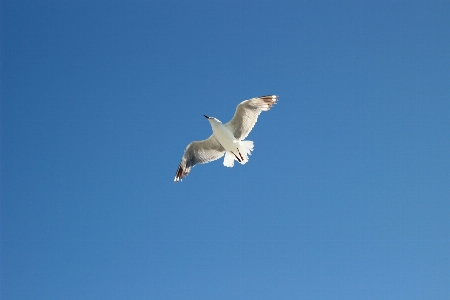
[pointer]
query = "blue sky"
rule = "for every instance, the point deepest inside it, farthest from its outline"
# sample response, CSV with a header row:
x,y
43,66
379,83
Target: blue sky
x,y
346,195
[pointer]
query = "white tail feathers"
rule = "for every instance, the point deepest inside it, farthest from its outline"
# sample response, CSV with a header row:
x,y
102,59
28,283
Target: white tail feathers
x,y
241,154
245,149
228,161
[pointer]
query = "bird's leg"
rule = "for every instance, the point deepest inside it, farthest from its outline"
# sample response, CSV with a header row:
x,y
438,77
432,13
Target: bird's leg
x,y
236,156
240,154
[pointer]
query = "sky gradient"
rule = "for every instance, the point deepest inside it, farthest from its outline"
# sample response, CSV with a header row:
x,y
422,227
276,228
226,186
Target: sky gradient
x,y
346,195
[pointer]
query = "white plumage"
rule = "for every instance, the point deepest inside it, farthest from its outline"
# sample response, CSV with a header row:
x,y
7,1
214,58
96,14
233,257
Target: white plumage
x,y
227,138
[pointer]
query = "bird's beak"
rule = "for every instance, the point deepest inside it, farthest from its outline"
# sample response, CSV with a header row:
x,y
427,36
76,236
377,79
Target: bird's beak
x,y
206,116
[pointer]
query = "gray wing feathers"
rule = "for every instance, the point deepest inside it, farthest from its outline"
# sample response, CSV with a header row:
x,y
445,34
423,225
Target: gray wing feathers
x,y
199,152
247,113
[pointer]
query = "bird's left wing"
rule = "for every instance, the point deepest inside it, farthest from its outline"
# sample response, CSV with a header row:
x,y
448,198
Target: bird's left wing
x,y
199,152
247,113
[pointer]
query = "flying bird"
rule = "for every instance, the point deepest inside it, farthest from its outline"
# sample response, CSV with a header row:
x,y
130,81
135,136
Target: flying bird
x,y
227,138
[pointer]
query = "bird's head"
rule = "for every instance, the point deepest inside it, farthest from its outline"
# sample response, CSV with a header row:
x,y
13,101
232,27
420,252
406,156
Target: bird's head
x,y
212,120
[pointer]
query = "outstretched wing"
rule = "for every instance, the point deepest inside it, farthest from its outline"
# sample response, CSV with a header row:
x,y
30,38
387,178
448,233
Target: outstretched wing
x,y
247,113
199,152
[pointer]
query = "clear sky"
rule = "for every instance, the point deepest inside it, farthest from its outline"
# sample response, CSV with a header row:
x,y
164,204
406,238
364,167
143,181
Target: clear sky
x,y
346,195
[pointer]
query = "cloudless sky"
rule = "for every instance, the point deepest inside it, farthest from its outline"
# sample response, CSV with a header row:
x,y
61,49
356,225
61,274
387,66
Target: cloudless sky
x,y
346,195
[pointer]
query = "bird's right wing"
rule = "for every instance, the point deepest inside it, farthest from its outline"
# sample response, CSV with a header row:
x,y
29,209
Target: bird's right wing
x,y
247,113
199,152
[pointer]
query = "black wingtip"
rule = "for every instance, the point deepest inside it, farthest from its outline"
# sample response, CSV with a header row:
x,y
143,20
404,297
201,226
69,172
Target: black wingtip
x,y
179,175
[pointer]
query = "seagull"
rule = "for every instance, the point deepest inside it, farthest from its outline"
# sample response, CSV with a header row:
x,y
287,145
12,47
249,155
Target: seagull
x,y
227,138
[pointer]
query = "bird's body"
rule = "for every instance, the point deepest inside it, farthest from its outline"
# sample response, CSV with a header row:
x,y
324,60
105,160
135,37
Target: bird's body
x,y
223,135
233,148
227,138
